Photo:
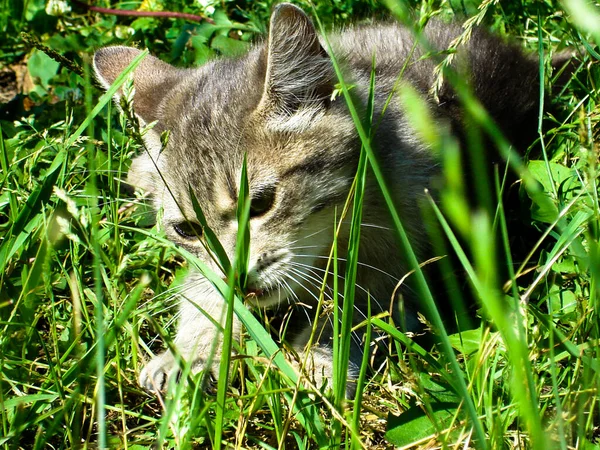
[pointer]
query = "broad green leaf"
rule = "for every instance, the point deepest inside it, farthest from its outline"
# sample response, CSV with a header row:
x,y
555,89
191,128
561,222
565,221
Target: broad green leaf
x,y
467,342
567,265
563,301
543,208
438,410
413,425
42,67
559,173
228,46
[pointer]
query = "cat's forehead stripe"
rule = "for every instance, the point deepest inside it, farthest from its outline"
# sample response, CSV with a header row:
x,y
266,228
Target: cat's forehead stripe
x,y
224,195
232,186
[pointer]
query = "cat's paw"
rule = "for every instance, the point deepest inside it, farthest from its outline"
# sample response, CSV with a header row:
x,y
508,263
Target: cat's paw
x,y
155,375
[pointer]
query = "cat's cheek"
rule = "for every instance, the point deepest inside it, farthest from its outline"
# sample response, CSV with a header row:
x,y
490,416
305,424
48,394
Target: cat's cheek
x,y
142,175
146,168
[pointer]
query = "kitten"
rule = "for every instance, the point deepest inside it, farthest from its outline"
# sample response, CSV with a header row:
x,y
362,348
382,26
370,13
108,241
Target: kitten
x,y
275,106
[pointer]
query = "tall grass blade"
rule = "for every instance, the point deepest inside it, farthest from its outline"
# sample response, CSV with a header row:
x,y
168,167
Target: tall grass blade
x,y
19,230
100,396
105,98
209,235
541,108
236,279
352,258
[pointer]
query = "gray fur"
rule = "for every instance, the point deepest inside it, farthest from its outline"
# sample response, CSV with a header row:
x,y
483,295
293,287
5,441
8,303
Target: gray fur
x,y
274,105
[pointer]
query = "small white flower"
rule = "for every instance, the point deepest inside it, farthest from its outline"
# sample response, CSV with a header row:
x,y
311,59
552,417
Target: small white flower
x,y
208,6
57,8
123,32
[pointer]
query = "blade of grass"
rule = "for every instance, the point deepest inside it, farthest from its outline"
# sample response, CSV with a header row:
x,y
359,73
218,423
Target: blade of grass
x,y
18,231
541,108
342,357
4,165
236,278
207,233
360,382
242,249
586,16
92,185
105,98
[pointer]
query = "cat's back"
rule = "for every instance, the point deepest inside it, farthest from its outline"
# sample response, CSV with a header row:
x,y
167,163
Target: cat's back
x,y
392,47
486,59
386,42
503,76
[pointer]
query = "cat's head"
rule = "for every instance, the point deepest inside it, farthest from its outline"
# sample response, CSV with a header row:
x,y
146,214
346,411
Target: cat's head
x,y
272,105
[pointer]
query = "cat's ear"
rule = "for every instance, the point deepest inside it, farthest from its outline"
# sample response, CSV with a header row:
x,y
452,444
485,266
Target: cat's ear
x,y
152,78
299,71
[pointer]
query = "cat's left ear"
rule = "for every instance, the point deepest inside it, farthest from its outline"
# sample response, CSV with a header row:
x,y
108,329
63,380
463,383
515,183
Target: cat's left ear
x,y
299,71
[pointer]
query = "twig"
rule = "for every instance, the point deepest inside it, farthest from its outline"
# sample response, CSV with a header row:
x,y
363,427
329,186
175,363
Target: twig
x,y
134,13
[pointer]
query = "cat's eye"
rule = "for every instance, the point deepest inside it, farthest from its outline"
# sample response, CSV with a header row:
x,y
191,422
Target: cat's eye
x,y
188,230
262,201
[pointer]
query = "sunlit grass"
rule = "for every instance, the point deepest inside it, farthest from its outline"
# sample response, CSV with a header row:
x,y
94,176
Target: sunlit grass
x,y
88,287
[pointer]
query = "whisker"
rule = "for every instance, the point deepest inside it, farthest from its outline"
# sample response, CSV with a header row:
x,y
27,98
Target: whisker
x,y
309,236
359,263
329,318
157,297
167,325
340,277
311,281
312,294
304,246
305,310
370,225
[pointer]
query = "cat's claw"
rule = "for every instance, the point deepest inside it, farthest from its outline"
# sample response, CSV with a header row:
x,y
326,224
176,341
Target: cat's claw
x,y
155,375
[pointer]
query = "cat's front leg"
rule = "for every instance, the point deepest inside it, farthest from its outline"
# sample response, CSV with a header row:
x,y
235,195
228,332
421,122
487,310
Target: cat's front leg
x,y
198,341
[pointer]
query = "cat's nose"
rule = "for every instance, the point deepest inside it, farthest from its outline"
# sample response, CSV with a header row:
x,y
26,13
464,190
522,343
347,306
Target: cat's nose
x,y
263,260
267,259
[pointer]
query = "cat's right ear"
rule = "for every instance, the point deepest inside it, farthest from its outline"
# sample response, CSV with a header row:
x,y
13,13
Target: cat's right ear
x,y
152,80
299,71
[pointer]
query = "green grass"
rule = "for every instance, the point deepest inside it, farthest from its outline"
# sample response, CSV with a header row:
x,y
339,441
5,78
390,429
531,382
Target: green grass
x,y
87,284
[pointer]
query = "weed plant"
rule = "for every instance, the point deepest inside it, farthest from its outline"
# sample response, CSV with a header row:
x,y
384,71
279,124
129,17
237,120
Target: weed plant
x,y
88,283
